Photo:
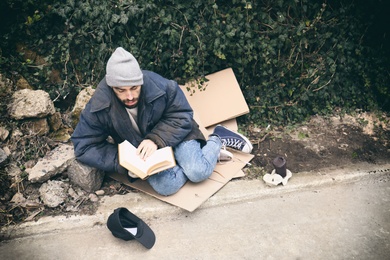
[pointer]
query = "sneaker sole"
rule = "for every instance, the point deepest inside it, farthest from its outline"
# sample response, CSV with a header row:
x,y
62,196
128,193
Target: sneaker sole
x,y
247,141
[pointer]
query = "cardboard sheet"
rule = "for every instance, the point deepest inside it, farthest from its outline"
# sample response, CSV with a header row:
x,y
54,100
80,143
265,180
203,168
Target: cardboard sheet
x,y
220,101
231,124
192,195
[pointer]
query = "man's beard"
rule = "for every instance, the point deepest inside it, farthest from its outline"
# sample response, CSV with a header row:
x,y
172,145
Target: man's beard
x,y
132,106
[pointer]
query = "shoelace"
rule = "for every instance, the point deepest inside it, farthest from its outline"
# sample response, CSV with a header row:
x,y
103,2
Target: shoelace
x,y
233,143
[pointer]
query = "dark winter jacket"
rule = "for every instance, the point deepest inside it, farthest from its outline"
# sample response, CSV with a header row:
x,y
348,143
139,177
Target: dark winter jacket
x,y
164,116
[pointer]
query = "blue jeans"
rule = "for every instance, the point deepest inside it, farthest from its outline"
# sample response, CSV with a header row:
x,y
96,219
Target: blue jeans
x,y
193,163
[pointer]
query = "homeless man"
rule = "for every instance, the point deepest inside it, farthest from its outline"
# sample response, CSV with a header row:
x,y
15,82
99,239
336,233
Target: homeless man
x,y
150,112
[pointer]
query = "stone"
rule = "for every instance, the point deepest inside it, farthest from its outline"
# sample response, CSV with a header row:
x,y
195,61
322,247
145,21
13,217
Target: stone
x,y
3,156
53,193
38,127
83,97
4,133
18,198
81,100
88,178
7,150
22,83
93,197
55,121
99,192
14,172
55,162
61,135
27,103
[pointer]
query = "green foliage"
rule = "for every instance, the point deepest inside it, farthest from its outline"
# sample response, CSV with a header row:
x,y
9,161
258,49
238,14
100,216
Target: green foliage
x,y
292,58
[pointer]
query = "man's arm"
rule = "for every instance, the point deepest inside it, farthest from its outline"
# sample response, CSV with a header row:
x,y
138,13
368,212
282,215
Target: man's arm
x,y
91,146
176,121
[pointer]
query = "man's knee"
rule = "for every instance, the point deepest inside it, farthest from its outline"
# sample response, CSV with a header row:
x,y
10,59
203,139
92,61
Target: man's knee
x,y
165,190
198,175
168,182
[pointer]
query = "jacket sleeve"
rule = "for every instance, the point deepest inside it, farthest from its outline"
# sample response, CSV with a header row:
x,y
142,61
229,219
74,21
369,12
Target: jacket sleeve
x,y
90,142
176,121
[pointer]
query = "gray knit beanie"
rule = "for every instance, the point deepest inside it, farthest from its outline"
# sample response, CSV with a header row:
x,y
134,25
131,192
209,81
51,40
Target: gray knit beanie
x,y
123,70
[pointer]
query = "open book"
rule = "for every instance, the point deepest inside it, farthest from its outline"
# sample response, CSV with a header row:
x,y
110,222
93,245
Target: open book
x,y
160,160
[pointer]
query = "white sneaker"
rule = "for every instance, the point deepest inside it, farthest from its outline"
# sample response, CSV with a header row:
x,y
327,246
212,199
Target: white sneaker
x,y
224,156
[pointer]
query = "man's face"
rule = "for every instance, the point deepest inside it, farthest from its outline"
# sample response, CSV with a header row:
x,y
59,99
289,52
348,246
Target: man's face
x,y
128,95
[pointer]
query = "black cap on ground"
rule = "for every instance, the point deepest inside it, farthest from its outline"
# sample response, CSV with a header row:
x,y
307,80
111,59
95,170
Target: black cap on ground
x,y
125,225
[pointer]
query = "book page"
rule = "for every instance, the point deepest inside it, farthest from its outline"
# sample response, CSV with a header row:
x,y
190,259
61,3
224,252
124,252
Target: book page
x,y
129,159
160,160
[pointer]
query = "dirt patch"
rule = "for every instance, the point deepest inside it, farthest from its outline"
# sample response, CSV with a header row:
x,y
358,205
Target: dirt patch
x,y
317,144
322,143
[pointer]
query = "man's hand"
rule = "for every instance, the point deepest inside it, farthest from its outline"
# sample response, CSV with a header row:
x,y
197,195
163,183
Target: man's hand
x,y
146,148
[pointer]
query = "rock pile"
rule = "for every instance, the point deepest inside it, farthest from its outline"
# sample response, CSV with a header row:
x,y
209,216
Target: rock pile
x,y
36,116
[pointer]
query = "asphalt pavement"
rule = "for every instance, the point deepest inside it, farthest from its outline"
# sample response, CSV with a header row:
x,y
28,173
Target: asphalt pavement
x,y
338,213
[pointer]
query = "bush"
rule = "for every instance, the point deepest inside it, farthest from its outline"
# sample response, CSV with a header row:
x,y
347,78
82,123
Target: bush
x,y
292,58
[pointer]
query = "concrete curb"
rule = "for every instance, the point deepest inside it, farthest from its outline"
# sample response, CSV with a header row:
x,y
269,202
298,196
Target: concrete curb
x,y
149,208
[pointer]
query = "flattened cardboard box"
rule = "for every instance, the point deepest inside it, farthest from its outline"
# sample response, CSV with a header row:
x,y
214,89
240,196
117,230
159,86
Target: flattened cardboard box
x,y
192,195
221,100
220,103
